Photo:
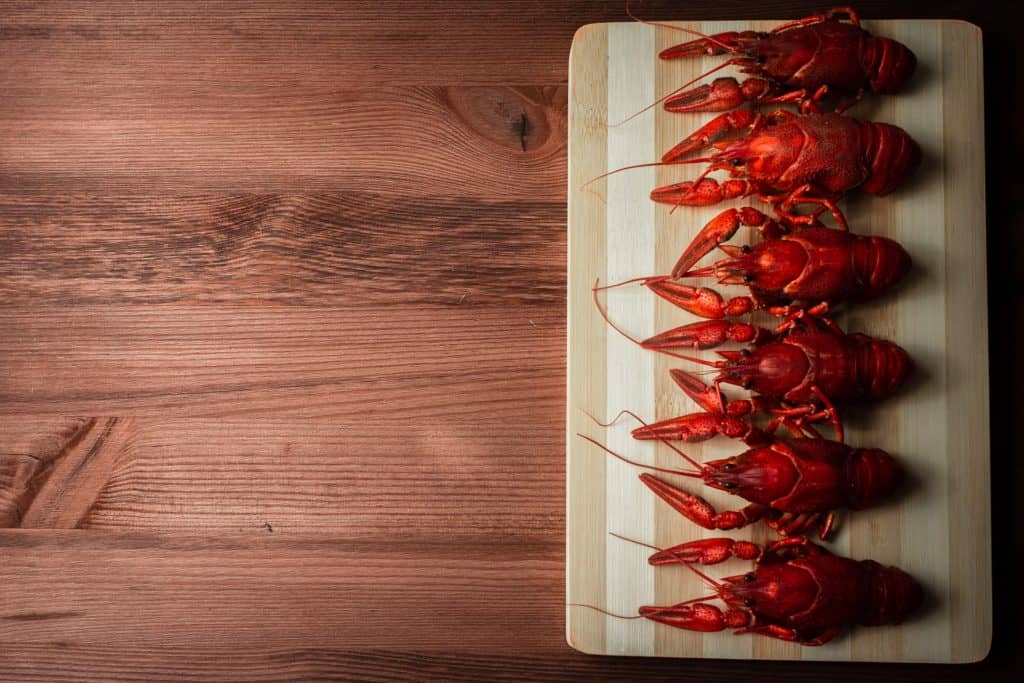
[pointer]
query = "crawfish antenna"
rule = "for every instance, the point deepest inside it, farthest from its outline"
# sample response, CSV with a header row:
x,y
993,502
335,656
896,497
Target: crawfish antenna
x,y
634,541
653,612
604,314
615,419
711,582
603,611
650,164
667,95
634,463
639,419
644,280
673,27
670,93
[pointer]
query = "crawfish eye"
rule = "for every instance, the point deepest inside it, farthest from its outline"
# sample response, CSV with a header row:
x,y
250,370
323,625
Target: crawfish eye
x,y
747,383
749,602
745,249
748,278
729,485
745,353
749,577
736,162
728,466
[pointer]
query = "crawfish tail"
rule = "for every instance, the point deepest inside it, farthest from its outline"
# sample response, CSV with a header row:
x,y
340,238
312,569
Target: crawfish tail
x,y
891,155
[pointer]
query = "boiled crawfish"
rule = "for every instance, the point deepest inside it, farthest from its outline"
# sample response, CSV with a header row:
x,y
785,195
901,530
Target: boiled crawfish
x,y
788,160
802,61
798,591
806,367
793,483
811,268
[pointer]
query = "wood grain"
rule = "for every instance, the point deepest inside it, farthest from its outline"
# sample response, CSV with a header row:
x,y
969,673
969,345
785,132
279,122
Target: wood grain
x,y
458,141
213,218
323,249
399,479
398,363
938,427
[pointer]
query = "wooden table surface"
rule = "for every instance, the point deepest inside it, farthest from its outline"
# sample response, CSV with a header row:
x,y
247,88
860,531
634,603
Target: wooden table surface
x,y
282,340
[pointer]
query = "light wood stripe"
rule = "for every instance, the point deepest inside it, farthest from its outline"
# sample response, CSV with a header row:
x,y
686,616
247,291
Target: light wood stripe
x,y
673,584
967,421
585,466
630,249
938,426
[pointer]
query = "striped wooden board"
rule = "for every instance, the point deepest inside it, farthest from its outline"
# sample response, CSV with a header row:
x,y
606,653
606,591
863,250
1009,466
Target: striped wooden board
x,y
939,529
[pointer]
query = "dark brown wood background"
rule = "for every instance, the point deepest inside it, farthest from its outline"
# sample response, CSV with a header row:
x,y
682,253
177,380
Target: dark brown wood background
x,y
282,332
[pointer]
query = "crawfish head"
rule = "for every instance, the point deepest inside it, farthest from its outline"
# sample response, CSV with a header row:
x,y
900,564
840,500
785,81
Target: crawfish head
x,y
772,591
759,475
771,369
764,156
807,475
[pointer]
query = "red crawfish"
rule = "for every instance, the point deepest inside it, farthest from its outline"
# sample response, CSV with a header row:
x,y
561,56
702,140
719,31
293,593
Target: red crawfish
x,y
806,367
794,484
788,159
797,591
810,268
802,61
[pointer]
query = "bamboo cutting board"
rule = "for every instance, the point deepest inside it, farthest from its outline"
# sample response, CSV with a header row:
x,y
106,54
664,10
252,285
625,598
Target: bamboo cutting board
x,y
938,529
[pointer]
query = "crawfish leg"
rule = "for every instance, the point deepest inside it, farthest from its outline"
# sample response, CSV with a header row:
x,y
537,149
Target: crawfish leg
x,y
809,412
794,313
698,510
806,100
826,526
789,523
784,633
843,106
783,421
808,194
830,413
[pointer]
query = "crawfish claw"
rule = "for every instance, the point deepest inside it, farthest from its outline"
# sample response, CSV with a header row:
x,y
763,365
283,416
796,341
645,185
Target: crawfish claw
x,y
697,617
698,510
703,335
722,94
717,44
702,301
722,124
709,399
706,551
692,428
704,192
719,229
